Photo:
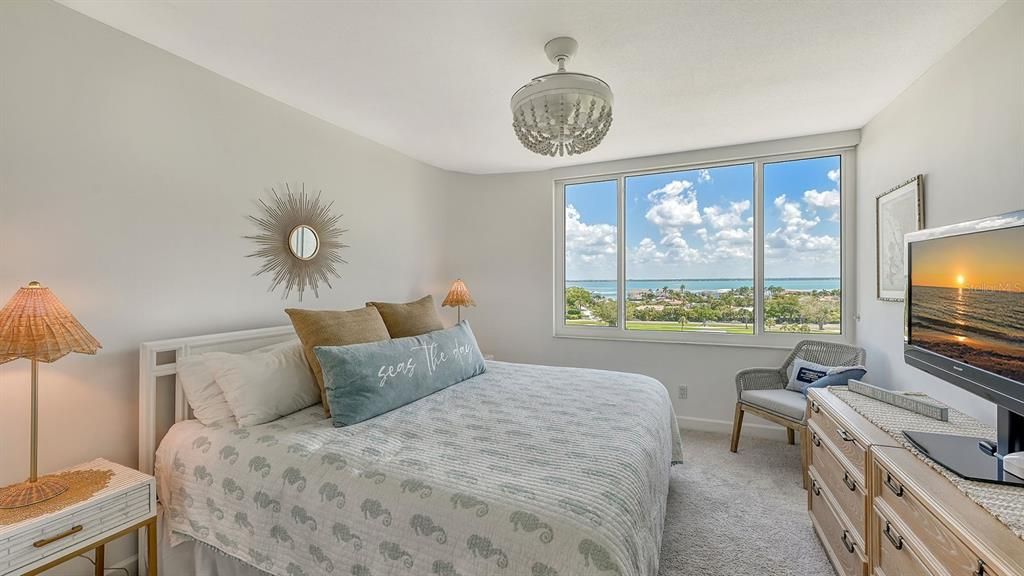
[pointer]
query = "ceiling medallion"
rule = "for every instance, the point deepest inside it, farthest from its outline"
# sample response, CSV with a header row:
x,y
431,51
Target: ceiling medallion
x,y
564,112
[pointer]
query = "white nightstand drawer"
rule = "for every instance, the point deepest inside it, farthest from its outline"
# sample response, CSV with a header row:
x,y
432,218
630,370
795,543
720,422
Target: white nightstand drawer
x,y
127,500
104,516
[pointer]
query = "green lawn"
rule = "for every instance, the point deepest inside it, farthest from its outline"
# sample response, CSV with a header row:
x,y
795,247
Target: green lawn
x,y
717,327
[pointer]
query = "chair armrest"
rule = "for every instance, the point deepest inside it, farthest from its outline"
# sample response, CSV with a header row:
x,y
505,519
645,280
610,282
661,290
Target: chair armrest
x,y
759,379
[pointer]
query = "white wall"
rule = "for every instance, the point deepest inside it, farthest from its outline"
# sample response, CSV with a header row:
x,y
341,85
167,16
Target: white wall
x,y
961,125
501,242
126,175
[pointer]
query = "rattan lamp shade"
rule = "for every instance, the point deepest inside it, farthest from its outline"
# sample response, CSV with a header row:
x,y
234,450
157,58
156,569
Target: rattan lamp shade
x,y
458,295
35,325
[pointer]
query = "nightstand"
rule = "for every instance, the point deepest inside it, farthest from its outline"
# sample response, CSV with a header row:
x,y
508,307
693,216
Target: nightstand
x,y
127,504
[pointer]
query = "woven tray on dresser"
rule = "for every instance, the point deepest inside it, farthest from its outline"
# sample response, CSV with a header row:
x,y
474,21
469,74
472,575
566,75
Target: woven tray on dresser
x,y
128,499
1006,503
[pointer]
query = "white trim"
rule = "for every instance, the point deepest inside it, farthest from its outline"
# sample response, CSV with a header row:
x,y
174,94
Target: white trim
x,y
767,430
131,564
724,155
841,144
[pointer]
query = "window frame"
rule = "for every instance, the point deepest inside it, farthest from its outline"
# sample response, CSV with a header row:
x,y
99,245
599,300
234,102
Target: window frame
x,y
760,337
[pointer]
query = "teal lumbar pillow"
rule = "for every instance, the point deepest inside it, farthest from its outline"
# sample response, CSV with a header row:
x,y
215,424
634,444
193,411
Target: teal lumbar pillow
x,y
367,380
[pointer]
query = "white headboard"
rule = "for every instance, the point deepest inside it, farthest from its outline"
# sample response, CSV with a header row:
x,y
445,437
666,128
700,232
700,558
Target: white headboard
x,y
161,401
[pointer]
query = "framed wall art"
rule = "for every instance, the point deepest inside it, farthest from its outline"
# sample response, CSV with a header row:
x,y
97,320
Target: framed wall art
x,y
897,212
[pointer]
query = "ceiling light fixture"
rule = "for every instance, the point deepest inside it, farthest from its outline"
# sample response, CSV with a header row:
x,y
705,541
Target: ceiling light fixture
x,y
564,112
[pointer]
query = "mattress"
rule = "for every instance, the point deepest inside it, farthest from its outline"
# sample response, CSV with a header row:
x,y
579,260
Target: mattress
x,y
525,469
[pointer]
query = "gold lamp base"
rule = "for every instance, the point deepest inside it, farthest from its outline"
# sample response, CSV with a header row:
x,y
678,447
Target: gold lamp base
x,y
29,493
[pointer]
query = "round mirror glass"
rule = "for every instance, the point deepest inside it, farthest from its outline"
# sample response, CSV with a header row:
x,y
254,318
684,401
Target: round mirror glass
x,y
303,242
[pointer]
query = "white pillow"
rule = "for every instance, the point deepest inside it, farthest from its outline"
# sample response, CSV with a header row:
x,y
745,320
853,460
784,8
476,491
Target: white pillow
x,y
262,387
202,392
803,373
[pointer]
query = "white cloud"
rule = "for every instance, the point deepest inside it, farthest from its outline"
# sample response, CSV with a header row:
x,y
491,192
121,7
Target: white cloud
x,y
792,215
705,176
833,175
646,251
733,216
826,199
589,248
794,241
674,250
673,188
674,206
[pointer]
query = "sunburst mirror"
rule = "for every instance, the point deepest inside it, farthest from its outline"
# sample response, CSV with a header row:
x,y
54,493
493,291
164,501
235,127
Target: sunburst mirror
x,y
299,241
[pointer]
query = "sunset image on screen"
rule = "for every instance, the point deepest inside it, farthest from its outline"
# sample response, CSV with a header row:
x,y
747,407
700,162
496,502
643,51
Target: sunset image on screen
x,y
967,299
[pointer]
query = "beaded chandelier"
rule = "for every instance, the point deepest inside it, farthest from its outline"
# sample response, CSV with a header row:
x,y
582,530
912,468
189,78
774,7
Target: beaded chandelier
x,y
564,112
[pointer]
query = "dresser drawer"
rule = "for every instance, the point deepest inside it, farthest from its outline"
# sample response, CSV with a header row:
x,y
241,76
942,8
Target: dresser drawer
x,y
75,529
896,554
841,482
923,526
846,554
847,442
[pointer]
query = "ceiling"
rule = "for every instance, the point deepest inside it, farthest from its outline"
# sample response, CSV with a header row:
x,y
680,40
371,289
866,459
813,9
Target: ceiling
x,y
433,79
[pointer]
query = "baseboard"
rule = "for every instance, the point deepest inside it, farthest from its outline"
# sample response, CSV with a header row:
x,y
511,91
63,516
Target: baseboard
x,y
78,566
131,564
755,428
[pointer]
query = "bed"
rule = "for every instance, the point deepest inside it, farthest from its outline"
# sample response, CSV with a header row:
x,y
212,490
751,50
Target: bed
x,y
525,469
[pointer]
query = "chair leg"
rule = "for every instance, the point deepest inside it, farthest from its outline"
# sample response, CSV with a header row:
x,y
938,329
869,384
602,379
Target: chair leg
x,y
737,425
790,436
805,450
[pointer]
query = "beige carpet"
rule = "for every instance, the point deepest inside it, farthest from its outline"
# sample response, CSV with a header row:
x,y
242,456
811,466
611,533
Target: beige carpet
x,y
742,514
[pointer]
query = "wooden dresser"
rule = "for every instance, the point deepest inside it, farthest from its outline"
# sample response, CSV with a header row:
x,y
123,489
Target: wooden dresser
x,y
879,510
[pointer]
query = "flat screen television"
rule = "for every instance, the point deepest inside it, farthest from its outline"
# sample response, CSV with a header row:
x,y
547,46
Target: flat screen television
x,y
965,324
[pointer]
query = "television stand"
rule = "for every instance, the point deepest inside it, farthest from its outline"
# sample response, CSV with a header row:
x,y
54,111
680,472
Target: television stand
x,y
965,456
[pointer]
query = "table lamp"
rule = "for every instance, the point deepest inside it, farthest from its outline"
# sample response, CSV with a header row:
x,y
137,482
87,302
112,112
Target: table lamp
x,y
35,325
458,297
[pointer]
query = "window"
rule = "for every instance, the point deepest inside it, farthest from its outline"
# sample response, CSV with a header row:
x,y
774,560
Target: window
x,y
591,254
690,250
802,248
744,252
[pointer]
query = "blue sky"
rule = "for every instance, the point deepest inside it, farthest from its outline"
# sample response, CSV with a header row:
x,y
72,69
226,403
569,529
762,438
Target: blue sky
x,y
699,223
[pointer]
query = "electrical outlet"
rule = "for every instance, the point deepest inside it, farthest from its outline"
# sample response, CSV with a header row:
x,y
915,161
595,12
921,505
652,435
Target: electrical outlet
x,y
683,390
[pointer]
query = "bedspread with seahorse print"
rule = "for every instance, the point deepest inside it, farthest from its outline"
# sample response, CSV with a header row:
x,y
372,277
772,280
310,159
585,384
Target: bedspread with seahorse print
x,y
523,470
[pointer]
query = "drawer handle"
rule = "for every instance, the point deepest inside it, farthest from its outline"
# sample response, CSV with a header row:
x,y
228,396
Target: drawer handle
x,y
844,435
981,569
815,439
850,546
849,482
61,536
893,485
815,488
814,407
897,540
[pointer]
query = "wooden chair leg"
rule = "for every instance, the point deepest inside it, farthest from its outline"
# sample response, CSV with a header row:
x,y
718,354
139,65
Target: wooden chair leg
x,y
805,451
737,425
790,436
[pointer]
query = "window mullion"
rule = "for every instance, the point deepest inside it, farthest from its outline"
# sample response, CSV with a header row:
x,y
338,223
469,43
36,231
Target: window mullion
x,y
758,247
621,250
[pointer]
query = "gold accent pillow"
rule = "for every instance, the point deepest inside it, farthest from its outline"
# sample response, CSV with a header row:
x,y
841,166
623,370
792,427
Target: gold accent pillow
x,y
411,318
334,328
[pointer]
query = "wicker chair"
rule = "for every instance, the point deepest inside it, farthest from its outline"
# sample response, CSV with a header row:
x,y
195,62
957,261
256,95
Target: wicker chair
x,y
762,391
